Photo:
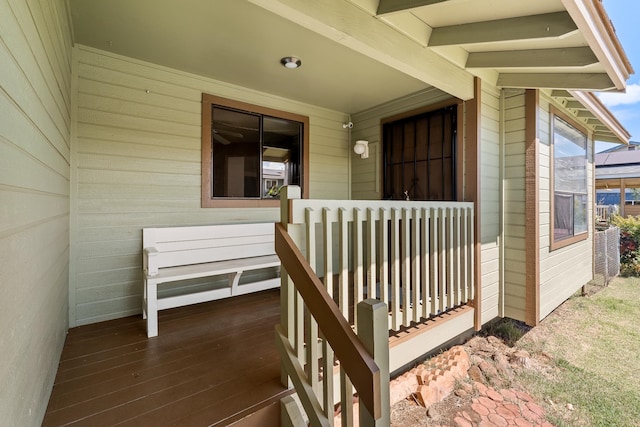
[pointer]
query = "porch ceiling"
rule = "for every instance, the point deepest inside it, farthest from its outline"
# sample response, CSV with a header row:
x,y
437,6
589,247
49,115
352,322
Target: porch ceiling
x,y
361,53
238,42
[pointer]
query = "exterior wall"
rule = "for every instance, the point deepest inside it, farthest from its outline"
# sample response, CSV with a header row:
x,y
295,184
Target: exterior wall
x,y
136,163
367,173
490,201
514,205
35,87
565,270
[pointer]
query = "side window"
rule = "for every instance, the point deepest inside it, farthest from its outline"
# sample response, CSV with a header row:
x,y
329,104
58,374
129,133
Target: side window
x,y
569,212
249,153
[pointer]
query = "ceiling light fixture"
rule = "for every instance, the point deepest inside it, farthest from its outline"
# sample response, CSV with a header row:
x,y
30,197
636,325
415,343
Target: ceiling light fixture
x,y
291,62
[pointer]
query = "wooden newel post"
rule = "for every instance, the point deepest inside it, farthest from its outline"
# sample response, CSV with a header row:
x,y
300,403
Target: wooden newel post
x,y
287,288
373,331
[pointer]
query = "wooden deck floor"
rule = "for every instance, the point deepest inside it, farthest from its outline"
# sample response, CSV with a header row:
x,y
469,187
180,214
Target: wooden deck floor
x,y
212,364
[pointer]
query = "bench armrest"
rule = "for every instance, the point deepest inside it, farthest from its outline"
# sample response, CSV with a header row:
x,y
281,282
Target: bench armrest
x,y
149,261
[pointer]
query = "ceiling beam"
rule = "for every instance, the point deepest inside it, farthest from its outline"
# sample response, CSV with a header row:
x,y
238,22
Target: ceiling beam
x,y
533,58
561,94
603,130
351,26
606,138
575,105
606,117
576,81
390,6
547,25
585,114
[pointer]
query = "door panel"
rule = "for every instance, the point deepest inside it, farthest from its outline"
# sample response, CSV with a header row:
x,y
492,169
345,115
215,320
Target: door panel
x,y
420,156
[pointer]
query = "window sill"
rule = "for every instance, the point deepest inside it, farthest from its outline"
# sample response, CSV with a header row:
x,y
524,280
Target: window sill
x,y
237,203
568,241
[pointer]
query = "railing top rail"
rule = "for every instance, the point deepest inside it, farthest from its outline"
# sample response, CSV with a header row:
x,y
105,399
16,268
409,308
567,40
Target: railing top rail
x,y
354,358
297,207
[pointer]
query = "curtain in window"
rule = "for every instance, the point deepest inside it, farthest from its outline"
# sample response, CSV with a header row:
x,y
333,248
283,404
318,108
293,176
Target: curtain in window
x,y
563,208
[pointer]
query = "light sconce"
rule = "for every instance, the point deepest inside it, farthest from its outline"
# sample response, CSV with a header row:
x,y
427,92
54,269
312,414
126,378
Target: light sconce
x,y
362,148
291,62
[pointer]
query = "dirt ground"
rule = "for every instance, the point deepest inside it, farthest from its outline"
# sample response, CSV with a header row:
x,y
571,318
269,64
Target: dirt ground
x,y
497,356
493,363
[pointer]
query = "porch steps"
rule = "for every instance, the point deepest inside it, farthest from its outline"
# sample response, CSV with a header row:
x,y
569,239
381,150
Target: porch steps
x,y
265,413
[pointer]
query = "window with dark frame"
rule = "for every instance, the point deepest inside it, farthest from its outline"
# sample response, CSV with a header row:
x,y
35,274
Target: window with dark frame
x,y
420,156
570,186
249,153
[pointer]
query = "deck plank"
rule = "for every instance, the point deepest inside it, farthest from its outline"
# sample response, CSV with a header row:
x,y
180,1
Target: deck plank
x,y
210,363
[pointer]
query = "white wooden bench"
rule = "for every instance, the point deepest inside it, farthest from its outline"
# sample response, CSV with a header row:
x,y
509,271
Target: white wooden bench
x,y
179,253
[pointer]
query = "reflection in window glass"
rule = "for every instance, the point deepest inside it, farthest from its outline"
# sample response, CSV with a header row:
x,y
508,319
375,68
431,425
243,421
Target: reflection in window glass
x,y
253,155
569,180
632,196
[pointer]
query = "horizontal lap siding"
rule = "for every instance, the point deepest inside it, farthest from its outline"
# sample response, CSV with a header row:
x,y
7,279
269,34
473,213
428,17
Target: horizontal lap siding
x,y
490,200
35,126
366,174
514,202
563,271
137,164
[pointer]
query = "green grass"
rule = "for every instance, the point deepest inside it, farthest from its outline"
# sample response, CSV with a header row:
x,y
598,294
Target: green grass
x,y
597,401
594,343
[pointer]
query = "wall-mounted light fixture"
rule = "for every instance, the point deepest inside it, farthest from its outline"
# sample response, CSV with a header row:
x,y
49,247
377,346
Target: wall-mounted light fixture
x,y
362,147
291,62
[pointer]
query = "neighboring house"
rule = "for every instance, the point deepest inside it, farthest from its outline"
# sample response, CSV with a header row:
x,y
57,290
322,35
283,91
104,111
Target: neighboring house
x,y
618,178
119,115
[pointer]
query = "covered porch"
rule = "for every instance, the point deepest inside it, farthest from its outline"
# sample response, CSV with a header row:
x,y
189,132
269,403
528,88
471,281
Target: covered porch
x,y
219,363
105,134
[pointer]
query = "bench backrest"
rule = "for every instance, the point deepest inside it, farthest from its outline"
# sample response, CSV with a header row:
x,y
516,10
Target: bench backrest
x,y
200,244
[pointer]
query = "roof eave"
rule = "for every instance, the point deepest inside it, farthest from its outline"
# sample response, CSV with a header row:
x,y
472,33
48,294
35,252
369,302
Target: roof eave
x,y
595,25
592,103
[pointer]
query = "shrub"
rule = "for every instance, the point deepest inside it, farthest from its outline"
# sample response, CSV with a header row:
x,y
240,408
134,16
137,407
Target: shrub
x,y
629,244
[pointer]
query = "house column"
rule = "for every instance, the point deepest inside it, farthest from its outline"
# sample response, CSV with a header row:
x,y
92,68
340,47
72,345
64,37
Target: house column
x,y
472,186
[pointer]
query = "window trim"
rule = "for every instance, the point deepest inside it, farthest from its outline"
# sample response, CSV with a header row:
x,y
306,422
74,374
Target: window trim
x,y
553,244
207,200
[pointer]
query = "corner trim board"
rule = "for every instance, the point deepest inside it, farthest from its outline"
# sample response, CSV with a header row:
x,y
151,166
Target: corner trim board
x,y
532,209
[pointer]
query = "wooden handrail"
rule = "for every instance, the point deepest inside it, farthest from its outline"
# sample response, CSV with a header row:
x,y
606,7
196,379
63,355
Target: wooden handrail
x,y
354,358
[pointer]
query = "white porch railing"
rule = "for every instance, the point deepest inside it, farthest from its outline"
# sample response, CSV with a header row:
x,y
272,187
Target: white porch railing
x,y
416,257
309,355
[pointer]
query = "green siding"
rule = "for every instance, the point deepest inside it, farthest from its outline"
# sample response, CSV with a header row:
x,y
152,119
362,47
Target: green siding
x,y
514,201
35,87
490,200
366,174
563,271
136,164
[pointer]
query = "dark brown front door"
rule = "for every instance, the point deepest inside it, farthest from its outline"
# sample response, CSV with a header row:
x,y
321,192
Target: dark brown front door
x,y
420,156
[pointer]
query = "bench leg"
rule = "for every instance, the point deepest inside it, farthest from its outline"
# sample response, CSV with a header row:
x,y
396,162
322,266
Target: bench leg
x,y
234,280
144,299
152,309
